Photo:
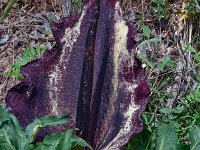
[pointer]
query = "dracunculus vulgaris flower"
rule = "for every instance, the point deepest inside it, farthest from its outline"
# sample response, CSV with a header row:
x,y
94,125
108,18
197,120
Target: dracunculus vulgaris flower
x,y
91,74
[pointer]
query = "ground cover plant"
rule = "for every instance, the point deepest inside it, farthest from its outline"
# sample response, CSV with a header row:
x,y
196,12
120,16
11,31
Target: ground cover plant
x,y
13,137
172,62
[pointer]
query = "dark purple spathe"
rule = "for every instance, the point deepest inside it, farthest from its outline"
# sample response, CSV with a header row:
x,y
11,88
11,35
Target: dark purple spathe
x,y
92,75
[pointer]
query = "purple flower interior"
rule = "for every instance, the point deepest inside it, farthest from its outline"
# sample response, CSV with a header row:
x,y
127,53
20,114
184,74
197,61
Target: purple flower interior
x,y
91,74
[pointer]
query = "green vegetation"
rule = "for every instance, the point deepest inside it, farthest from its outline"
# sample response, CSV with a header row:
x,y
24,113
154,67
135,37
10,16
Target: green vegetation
x,y
28,55
7,9
12,136
172,117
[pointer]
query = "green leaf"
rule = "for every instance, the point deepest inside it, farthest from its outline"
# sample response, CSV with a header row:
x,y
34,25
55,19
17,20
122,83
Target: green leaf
x,y
194,137
160,67
165,110
182,147
141,141
43,50
79,141
152,40
145,60
76,1
41,146
6,146
26,57
33,128
65,143
167,137
197,58
38,51
50,142
189,48
146,31
7,9
178,110
12,131
170,63
53,139
33,51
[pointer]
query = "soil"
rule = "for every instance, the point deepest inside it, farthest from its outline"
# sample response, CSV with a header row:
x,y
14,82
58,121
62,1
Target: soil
x,y
27,25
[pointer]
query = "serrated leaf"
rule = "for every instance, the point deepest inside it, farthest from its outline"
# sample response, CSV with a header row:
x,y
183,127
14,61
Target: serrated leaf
x,y
26,57
37,50
43,50
33,51
29,53
33,128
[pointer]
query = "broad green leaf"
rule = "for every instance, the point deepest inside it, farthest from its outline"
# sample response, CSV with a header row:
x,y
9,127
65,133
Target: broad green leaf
x,y
160,67
41,146
33,128
145,60
6,146
166,138
165,58
4,137
165,110
79,141
50,142
12,131
58,141
53,139
170,63
178,110
143,43
154,40
4,116
182,147
189,48
194,137
146,31
197,57
66,143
